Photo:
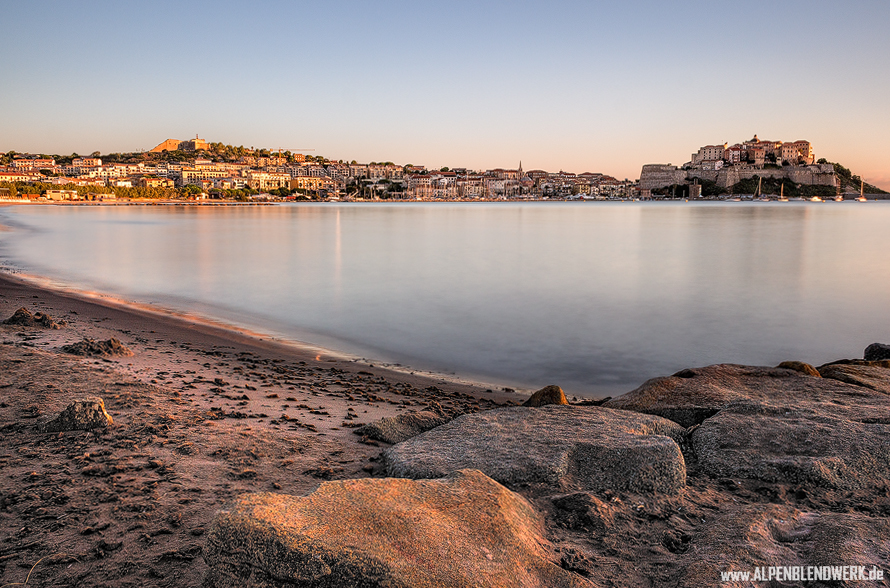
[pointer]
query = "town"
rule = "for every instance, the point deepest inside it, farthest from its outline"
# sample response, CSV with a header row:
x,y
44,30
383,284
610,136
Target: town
x,y
199,170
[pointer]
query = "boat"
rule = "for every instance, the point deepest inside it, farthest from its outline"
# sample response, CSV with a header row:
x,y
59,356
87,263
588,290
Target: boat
x,y
862,197
816,199
758,195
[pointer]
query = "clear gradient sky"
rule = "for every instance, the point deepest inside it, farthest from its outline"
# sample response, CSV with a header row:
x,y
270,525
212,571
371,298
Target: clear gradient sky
x,y
573,85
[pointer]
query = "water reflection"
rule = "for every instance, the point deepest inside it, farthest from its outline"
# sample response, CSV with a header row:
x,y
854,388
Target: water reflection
x,y
594,297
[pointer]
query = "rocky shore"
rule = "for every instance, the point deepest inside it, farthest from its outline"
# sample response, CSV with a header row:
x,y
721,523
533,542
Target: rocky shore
x,y
139,449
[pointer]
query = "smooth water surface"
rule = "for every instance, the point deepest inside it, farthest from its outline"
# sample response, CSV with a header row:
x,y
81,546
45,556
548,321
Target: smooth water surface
x,y
594,297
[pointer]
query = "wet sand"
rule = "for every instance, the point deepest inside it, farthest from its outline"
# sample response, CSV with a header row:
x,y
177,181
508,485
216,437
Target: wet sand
x,y
202,414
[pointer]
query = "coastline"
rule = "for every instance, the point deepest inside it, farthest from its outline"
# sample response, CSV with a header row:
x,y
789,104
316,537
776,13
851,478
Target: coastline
x,y
206,418
278,344
196,329
202,413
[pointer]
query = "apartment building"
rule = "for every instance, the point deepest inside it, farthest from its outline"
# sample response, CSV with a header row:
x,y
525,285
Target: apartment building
x,y
312,183
32,164
267,181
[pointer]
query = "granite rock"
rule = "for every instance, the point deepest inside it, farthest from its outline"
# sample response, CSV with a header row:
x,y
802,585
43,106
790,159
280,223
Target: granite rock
x,y
546,395
561,447
693,395
868,374
756,536
463,530
799,445
801,367
402,427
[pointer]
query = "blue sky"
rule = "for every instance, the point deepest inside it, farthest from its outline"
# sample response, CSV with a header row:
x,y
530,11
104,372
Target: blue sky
x,y
580,86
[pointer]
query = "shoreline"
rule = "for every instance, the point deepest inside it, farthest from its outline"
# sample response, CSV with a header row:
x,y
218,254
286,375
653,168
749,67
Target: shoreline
x,y
202,414
278,344
205,419
222,333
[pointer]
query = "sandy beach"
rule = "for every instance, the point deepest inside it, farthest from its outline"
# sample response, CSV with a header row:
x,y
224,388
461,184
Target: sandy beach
x,y
201,414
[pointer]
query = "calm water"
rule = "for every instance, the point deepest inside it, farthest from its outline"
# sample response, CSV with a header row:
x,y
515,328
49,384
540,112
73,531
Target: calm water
x,y
595,297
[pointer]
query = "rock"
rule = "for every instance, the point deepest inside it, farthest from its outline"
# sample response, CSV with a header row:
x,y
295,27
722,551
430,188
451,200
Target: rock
x,y
583,510
801,445
402,427
547,395
876,352
776,425
464,530
801,367
691,396
82,415
88,347
868,374
564,447
777,535
23,318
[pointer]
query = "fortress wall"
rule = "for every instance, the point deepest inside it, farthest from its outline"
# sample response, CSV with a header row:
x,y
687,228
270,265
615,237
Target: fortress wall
x,y
811,175
656,175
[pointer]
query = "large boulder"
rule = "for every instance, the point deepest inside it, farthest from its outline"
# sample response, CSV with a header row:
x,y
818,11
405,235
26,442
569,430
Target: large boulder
x,y
777,424
692,395
401,427
876,352
81,415
546,395
800,445
464,530
564,447
763,536
868,374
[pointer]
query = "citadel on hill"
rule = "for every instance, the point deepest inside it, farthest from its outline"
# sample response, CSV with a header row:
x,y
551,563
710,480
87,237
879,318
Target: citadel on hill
x,y
726,166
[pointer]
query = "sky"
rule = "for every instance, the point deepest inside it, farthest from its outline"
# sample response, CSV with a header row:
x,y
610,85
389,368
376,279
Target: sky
x,y
559,85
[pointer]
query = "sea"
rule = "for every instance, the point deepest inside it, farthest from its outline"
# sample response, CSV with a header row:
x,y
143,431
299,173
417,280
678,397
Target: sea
x,y
596,297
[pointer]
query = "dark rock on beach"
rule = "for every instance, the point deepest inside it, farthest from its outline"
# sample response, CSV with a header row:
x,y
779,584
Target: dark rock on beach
x,y
82,415
563,447
876,352
464,530
88,347
546,395
23,318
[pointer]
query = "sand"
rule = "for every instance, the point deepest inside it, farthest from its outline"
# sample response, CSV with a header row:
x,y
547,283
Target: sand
x,y
202,414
